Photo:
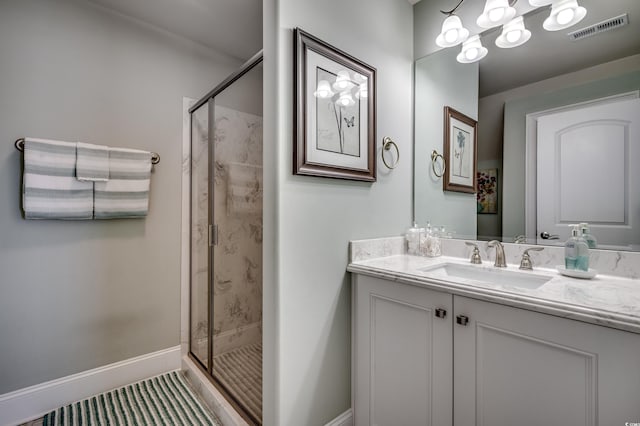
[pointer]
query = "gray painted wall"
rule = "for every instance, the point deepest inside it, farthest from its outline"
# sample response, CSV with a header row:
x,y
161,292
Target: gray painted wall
x,y
442,81
78,295
515,112
311,221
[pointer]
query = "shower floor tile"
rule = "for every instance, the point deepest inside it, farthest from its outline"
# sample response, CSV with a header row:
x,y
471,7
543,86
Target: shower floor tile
x,y
240,372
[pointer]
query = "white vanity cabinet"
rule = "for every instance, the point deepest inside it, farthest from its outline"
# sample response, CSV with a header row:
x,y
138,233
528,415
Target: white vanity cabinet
x,y
503,366
402,359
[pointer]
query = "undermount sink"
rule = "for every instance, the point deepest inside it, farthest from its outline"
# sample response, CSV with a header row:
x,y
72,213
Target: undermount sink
x,y
487,275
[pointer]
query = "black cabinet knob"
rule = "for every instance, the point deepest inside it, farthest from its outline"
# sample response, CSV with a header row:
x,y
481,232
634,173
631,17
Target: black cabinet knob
x,y
441,313
462,319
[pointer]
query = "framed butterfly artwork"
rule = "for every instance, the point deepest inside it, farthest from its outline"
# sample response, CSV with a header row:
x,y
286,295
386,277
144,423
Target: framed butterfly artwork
x,y
335,112
460,151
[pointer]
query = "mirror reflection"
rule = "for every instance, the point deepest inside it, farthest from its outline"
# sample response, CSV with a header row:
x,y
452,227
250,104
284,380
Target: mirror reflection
x,y
558,131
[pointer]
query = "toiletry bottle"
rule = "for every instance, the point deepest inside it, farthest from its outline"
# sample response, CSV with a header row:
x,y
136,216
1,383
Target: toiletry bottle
x,y
413,239
434,244
576,251
425,240
588,237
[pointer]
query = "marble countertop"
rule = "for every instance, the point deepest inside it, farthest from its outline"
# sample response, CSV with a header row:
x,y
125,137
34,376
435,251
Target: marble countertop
x,y
604,300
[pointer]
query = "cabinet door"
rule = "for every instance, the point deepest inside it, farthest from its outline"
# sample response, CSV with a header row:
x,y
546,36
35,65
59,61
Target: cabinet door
x,y
517,367
402,354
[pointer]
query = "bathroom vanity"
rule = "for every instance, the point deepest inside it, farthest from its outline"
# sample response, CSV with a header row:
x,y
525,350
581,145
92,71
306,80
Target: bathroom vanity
x,y
438,341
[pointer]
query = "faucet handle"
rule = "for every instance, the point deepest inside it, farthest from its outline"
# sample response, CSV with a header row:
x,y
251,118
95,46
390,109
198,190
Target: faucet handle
x,y
525,262
475,255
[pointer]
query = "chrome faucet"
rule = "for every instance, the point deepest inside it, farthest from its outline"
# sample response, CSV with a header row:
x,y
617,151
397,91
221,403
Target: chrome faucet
x,y
475,256
500,261
525,262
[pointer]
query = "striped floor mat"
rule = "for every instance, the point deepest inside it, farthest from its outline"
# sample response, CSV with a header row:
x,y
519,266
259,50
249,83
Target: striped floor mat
x,y
163,400
240,371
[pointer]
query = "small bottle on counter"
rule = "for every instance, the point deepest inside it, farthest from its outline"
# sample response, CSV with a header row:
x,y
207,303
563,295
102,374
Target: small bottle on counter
x,y
413,236
576,251
588,237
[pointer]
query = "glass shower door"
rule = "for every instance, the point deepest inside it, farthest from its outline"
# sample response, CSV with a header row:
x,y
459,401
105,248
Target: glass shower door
x,y
237,252
199,297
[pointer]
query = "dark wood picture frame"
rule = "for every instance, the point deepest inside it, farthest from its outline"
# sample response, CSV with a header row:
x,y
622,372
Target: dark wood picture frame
x,y
347,132
461,170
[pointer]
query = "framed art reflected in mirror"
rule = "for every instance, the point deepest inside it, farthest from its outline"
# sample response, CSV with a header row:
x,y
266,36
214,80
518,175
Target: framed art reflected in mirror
x,y
335,112
460,151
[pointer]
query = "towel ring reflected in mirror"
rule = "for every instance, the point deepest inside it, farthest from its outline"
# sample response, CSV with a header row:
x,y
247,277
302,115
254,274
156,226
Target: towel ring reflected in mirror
x,y
434,161
387,143
155,157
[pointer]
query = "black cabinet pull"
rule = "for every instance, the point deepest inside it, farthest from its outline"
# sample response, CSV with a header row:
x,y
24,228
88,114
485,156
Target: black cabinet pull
x,y
462,319
441,313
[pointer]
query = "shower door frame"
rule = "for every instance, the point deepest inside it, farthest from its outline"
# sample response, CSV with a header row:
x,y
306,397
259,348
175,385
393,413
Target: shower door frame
x,y
209,99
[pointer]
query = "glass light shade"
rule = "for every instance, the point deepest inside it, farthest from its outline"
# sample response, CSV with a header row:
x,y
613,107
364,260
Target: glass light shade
x,y
564,14
363,91
540,3
453,33
345,99
496,12
343,81
513,34
324,90
472,50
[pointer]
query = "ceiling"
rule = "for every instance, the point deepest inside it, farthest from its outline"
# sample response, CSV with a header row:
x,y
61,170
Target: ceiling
x,y
231,27
547,53
234,28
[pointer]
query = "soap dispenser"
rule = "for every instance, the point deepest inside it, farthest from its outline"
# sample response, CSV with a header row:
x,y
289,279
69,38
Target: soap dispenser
x,y
414,234
588,237
576,251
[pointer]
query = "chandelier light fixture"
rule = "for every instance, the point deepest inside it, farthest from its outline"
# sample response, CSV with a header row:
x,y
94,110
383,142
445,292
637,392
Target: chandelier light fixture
x,y
453,33
472,50
564,14
514,34
496,12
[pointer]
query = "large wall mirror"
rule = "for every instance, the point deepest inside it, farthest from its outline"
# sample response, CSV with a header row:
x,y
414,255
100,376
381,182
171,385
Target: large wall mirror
x,y
558,129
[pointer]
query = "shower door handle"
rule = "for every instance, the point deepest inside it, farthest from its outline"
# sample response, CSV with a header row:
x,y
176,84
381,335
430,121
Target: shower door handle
x,y
213,235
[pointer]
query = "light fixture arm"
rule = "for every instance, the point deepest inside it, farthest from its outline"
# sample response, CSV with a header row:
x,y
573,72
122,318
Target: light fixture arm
x,y
452,11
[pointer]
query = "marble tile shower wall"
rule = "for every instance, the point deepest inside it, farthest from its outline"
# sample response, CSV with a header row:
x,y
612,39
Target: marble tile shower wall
x,y
237,281
237,203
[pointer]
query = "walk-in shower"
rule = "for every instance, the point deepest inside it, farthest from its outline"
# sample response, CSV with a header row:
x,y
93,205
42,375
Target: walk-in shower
x,y
226,237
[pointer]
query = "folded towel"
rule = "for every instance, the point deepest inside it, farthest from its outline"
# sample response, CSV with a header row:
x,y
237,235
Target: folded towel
x,y
92,162
244,189
126,193
50,189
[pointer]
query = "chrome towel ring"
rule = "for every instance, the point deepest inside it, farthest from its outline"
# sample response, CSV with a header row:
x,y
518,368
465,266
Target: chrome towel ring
x,y
434,160
387,143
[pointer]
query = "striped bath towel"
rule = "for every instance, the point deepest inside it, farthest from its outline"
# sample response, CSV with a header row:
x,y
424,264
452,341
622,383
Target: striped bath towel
x,y
50,189
126,193
92,162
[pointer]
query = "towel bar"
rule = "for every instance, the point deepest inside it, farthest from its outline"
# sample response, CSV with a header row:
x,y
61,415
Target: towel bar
x,y
155,157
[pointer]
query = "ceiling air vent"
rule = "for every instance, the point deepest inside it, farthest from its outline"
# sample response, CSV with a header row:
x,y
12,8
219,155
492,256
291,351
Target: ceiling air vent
x,y
609,24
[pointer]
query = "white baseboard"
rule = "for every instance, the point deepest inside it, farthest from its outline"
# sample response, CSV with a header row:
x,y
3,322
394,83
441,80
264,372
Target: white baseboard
x,y
35,401
344,419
